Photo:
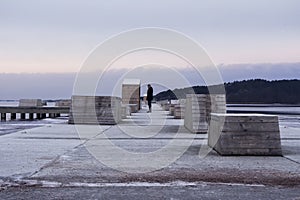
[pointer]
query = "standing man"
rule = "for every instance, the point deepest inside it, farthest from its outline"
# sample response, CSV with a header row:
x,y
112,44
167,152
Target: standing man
x,y
150,97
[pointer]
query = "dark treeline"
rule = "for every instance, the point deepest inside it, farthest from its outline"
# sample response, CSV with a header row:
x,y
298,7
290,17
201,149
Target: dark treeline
x,y
248,91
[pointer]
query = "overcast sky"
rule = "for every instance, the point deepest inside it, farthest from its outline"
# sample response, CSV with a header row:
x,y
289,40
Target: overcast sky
x,y
57,35
246,39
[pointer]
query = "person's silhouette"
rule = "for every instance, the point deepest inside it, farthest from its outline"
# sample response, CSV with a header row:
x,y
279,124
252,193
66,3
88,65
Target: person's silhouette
x,y
150,97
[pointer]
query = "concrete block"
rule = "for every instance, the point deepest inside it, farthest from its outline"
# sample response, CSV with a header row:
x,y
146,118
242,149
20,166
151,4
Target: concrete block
x,y
30,103
131,92
245,134
198,109
64,103
104,110
125,111
180,109
133,108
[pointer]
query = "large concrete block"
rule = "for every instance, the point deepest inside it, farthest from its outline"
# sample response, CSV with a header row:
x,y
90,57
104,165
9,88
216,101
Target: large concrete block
x,y
30,103
179,109
245,134
195,113
104,110
198,108
131,92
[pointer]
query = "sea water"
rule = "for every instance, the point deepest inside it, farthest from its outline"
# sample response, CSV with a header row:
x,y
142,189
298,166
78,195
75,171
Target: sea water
x,y
288,115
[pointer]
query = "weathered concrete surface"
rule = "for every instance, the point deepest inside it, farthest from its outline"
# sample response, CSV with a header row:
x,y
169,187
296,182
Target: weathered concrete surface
x,y
131,92
26,152
179,109
64,103
290,143
30,103
198,108
94,110
53,156
245,134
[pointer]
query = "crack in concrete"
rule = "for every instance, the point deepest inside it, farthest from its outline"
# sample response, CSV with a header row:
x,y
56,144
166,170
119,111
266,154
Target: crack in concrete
x,y
292,160
52,162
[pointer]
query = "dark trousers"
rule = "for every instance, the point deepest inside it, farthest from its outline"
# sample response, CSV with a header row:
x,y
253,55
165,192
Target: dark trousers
x,y
149,104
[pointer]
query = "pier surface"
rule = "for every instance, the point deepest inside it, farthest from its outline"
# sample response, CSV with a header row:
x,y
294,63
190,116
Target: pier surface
x,y
51,162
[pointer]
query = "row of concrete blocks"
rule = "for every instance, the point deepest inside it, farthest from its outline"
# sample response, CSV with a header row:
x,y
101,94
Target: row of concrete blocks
x,y
176,108
39,103
199,108
104,110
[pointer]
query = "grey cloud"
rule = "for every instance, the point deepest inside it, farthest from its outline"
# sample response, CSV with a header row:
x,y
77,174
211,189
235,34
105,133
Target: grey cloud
x,y
56,86
45,86
267,71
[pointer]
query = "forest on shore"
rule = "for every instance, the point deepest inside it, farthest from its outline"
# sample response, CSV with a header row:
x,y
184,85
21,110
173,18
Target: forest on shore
x,y
254,91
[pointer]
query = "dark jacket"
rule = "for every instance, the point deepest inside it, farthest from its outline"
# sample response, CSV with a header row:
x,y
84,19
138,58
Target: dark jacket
x,y
150,94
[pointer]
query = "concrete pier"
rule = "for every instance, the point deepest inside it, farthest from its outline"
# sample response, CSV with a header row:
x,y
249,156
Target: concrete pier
x,y
23,116
53,162
31,116
44,115
13,116
39,112
3,116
